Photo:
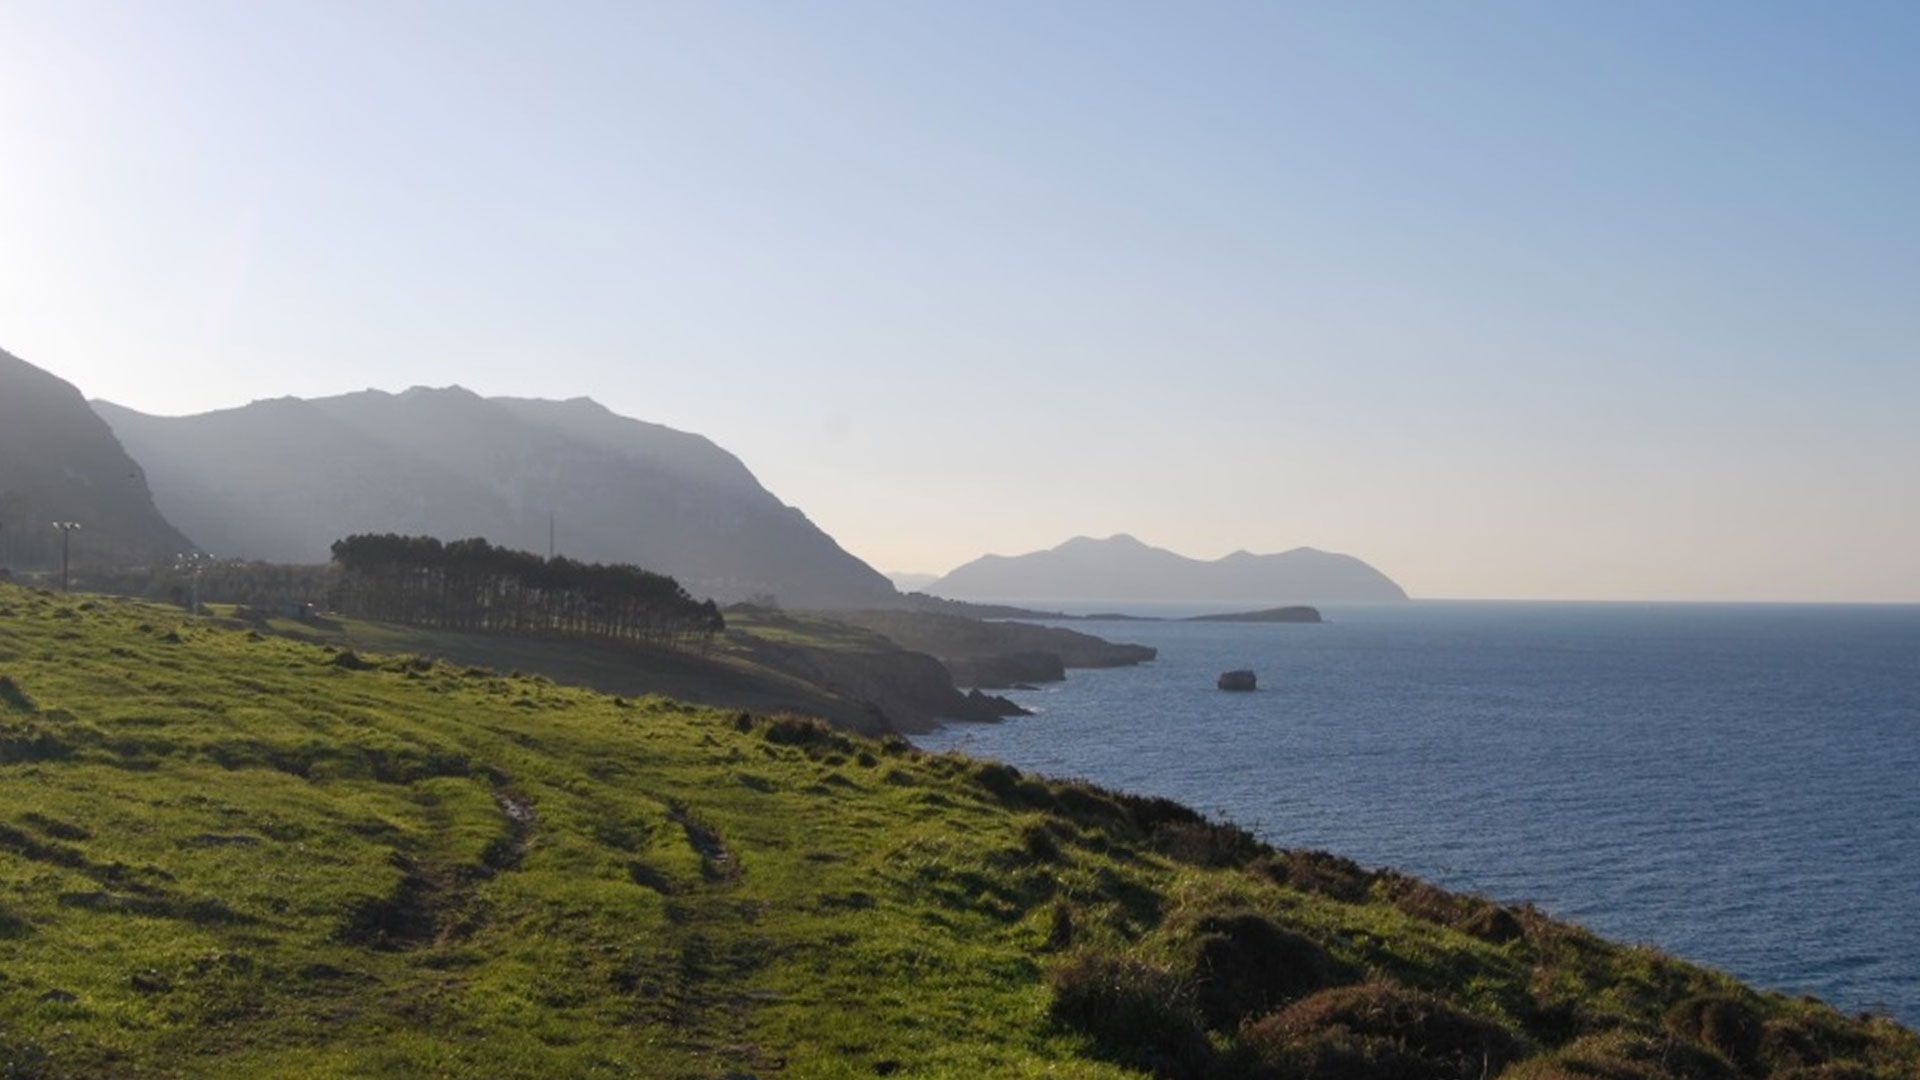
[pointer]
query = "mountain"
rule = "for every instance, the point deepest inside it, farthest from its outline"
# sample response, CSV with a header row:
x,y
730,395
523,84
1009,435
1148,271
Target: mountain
x,y
1122,569
60,462
907,581
281,480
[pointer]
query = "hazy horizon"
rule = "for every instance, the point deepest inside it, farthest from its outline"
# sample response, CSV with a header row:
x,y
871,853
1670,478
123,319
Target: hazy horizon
x,y
1512,303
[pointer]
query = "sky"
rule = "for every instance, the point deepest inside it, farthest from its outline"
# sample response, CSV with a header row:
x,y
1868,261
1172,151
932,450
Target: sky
x,y
1533,300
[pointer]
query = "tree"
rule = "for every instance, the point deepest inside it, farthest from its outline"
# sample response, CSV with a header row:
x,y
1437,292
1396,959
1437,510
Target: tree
x,y
473,585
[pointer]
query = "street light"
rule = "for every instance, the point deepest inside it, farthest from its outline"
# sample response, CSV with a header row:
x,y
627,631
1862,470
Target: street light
x,y
192,563
67,529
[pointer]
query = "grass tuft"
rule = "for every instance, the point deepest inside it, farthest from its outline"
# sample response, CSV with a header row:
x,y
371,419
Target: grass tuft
x,y
1135,1013
1380,1031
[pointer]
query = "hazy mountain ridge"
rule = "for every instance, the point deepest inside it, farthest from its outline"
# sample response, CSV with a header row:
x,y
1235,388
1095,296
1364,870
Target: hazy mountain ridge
x,y
281,479
1121,568
60,462
908,581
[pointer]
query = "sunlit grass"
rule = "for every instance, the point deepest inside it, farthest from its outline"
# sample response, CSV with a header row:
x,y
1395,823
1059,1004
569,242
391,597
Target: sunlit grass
x,y
225,853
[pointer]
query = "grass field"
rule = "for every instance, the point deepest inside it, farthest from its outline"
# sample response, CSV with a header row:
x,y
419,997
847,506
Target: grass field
x,y
226,853
766,661
728,676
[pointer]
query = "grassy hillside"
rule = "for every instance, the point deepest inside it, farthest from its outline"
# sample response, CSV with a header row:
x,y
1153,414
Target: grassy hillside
x,y
225,853
766,661
997,654
728,677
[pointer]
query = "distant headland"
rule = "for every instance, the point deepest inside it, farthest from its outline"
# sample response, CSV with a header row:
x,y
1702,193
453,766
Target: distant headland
x,y
1298,613
1122,570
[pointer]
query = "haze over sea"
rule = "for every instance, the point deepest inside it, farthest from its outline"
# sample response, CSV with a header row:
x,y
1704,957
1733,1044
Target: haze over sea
x,y
1735,784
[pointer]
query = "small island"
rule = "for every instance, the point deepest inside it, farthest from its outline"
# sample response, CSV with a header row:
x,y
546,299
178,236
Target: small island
x,y
1241,680
1295,614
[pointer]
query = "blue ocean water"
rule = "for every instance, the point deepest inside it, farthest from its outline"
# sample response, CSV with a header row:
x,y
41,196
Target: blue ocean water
x,y
1736,784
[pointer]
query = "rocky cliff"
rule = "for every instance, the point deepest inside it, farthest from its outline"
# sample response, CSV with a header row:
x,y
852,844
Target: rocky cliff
x,y
60,462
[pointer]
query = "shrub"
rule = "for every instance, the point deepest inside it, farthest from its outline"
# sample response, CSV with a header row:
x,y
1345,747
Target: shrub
x,y
1554,1012
1379,1031
1475,916
1151,812
1086,804
1040,844
1626,1055
1206,843
1135,1013
1010,787
1722,1022
1243,965
1810,1039
1318,872
809,734
1059,927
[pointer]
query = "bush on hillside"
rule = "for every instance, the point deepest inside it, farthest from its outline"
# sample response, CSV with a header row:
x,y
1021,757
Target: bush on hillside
x,y
1720,1021
1811,1038
807,733
1059,927
1626,1055
1135,1013
1379,1031
1243,965
1475,916
350,660
1319,873
1206,843
1041,844
1011,787
1086,804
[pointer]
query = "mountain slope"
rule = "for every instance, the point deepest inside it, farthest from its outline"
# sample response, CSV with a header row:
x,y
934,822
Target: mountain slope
x,y
229,854
60,462
281,480
1121,568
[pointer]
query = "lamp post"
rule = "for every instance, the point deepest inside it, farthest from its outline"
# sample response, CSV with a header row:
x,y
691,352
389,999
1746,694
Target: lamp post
x,y
67,529
192,563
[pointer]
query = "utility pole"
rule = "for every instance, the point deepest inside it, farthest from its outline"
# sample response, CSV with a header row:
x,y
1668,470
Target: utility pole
x,y
66,552
193,564
550,535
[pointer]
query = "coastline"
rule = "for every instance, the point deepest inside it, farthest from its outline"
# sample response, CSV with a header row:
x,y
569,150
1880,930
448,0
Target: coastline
x,y
1425,736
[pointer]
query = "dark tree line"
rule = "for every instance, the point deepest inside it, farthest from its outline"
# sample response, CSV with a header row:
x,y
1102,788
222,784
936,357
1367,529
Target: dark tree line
x,y
472,585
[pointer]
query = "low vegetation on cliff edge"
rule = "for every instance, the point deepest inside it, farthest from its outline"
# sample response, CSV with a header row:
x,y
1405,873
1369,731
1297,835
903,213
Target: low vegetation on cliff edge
x,y
225,853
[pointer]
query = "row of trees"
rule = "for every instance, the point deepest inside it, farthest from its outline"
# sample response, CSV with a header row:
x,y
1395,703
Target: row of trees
x,y
473,585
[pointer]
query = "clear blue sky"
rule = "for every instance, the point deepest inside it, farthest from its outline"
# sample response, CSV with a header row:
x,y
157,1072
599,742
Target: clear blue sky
x,y
1602,300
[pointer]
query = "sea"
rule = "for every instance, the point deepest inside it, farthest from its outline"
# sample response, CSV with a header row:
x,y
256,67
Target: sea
x,y
1736,784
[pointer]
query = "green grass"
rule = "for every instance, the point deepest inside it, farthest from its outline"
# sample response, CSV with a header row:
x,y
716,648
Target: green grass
x,y
232,854
749,627
734,674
